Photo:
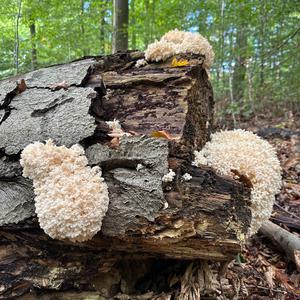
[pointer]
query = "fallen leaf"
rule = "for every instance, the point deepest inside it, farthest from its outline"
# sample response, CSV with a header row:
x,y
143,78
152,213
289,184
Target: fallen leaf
x,y
119,134
161,134
179,63
293,188
114,143
292,161
58,86
269,274
242,178
283,278
21,87
295,279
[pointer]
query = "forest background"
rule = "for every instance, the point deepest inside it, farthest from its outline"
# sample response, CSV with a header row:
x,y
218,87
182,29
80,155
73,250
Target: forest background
x,y
256,43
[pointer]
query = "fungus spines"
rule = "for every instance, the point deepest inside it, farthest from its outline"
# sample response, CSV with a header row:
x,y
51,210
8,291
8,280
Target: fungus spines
x,y
243,152
180,42
71,197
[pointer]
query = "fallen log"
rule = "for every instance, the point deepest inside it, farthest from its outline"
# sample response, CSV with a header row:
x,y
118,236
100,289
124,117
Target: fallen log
x,y
206,217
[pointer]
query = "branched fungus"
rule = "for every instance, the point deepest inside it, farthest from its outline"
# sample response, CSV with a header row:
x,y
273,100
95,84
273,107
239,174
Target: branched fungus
x,y
180,42
71,197
186,177
169,177
244,153
140,63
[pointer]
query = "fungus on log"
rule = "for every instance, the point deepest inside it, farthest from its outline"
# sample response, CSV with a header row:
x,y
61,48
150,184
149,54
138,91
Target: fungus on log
x,y
206,217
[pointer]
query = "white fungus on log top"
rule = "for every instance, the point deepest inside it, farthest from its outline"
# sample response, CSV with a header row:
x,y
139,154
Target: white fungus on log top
x,y
169,177
71,197
244,153
180,42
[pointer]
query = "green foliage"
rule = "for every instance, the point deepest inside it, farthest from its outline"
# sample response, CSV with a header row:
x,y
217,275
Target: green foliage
x,y
256,42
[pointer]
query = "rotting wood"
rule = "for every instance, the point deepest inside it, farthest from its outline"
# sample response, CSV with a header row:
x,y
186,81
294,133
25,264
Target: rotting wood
x,y
206,217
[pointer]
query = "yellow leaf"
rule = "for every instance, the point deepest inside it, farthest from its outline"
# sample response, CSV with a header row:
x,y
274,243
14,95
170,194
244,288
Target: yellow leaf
x,y
161,134
179,63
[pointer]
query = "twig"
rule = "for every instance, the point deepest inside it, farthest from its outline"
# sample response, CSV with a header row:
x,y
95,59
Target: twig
x,y
290,243
289,37
266,288
285,210
287,221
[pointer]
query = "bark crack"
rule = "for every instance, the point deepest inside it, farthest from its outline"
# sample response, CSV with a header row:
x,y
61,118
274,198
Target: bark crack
x,y
22,86
6,104
54,104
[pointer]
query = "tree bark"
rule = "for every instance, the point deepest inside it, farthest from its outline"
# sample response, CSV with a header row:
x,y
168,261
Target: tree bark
x,y
82,29
239,71
33,45
147,23
206,217
120,19
17,37
102,27
133,24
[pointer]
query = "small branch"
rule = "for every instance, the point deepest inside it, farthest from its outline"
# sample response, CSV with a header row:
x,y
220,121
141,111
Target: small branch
x,y
265,288
288,212
289,242
285,41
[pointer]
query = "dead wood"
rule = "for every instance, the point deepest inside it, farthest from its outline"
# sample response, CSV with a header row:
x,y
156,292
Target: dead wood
x,y
206,217
288,242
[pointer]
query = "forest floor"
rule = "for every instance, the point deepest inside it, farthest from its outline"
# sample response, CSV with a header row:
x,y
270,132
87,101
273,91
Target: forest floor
x,y
264,270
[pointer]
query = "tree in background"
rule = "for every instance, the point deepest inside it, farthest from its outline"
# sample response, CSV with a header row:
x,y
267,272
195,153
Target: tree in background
x,y
120,27
256,42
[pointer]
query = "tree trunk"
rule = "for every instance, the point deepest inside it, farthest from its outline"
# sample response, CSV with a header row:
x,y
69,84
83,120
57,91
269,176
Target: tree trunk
x,y
85,51
262,37
206,217
33,46
102,27
133,24
17,37
146,24
239,71
120,19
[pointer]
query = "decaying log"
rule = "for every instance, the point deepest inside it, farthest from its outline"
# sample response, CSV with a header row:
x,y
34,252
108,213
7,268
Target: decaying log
x,y
274,132
206,217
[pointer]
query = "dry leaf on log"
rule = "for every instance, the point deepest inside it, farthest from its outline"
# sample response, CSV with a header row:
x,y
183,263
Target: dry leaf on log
x,y
62,85
179,63
162,134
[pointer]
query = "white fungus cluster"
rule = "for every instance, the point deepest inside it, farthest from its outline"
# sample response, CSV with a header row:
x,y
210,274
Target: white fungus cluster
x,y
187,177
244,153
160,51
140,63
169,177
71,197
114,125
116,129
180,42
139,167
